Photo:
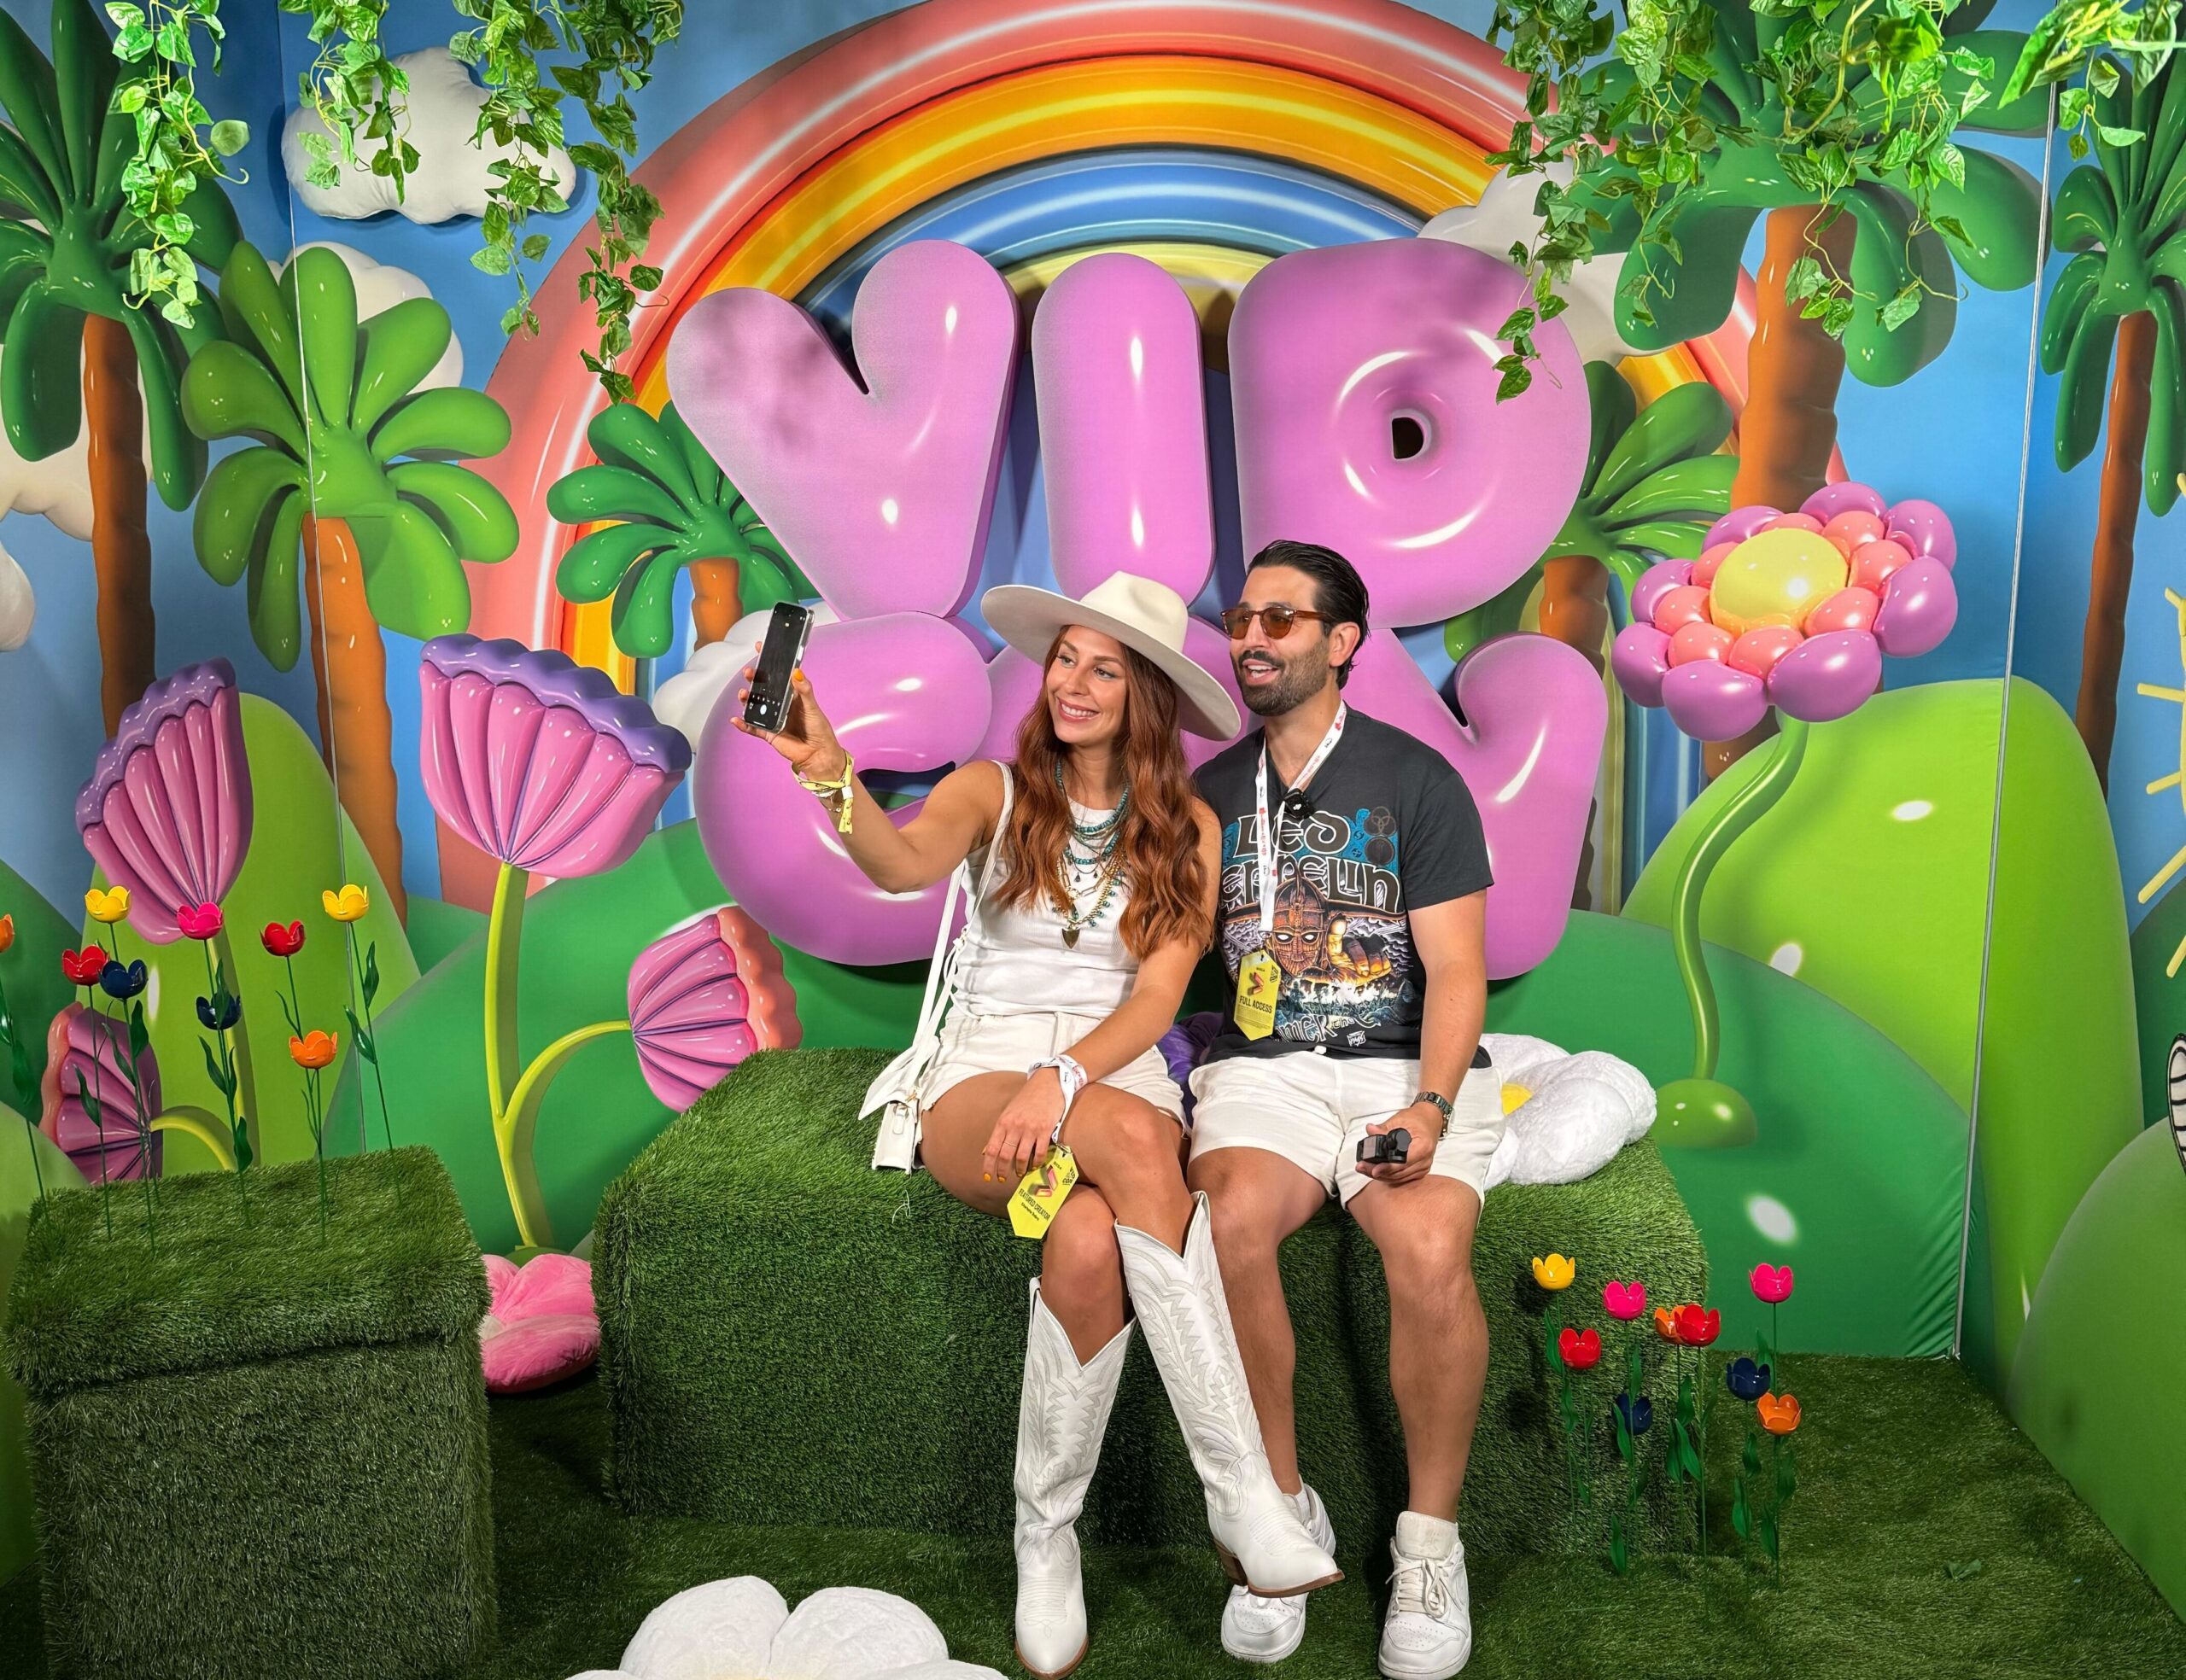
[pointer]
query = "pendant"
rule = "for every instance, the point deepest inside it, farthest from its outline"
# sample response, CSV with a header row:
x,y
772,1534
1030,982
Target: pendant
x,y
1069,937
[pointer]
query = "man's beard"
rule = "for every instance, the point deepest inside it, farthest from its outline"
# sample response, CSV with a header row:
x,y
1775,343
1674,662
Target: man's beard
x,y
1300,680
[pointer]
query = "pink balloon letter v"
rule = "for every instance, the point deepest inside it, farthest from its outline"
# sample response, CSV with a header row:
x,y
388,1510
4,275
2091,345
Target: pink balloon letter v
x,y
880,491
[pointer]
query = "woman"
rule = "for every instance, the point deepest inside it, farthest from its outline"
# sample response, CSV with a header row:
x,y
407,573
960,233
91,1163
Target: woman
x,y
1096,870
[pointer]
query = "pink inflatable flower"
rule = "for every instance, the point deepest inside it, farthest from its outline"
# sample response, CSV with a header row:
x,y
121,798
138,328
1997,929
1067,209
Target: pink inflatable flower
x,y
704,997
1794,610
538,763
86,1051
167,812
542,1325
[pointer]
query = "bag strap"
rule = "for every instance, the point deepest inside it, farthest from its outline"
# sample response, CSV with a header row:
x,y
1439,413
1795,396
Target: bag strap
x,y
941,973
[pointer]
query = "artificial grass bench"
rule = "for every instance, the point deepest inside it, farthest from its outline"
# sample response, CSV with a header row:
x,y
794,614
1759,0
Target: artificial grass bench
x,y
790,1337
255,1449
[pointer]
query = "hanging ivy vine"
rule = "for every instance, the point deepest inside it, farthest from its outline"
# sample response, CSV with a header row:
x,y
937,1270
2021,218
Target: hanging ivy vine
x,y
612,43
356,91
1837,93
179,145
532,55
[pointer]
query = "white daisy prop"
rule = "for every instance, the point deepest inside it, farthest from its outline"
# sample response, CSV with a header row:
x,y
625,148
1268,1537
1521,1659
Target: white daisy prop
x,y
744,1629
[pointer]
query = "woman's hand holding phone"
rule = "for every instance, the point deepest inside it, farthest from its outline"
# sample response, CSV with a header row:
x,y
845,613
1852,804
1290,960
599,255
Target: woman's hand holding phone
x,y
806,738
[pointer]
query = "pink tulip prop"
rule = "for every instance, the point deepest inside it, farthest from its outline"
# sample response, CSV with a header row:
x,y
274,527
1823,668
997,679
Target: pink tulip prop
x,y
704,997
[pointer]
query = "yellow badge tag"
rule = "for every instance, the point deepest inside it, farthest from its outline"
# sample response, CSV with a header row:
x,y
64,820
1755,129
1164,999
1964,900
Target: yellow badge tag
x,y
1033,1204
1258,980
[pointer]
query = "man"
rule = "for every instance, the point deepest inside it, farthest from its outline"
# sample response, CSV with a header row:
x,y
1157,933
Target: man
x,y
1354,880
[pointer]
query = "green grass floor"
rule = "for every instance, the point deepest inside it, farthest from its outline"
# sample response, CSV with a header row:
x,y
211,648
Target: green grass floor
x,y
1906,1470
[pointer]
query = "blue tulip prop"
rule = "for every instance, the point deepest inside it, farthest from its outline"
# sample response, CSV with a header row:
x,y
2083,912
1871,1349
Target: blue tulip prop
x,y
122,984
1633,1416
219,1014
1746,1380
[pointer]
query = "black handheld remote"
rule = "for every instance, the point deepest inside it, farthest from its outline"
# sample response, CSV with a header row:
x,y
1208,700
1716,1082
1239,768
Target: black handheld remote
x,y
1385,1149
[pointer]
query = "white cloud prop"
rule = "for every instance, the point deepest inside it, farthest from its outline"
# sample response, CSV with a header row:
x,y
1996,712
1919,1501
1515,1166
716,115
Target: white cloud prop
x,y
744,1629
1504,218
381,286
60,488
1576,1111
451,178
687,699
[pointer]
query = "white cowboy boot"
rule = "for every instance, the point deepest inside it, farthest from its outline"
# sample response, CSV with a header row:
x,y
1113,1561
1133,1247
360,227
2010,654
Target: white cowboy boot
x,y
1268,1630
1258,1533
1060,1418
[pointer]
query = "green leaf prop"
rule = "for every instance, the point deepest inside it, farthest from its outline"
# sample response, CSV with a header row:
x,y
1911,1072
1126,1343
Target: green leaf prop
x,y
1653,486
333,408
675,508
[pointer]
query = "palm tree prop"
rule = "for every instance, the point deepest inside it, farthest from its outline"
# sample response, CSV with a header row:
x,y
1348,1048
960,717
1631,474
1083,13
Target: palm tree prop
x,y
355,471
76,347
1904,286
1653,486
677,509
2124,216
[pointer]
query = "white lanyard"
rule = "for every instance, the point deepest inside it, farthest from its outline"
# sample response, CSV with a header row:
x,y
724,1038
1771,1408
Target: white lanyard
x,y
1266,837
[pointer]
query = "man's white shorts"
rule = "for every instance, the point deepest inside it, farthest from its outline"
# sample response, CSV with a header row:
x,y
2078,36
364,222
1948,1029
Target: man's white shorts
x,y
1313,1110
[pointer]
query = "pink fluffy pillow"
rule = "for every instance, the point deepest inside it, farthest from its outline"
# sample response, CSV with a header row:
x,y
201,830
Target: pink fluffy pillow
x,y
542,1325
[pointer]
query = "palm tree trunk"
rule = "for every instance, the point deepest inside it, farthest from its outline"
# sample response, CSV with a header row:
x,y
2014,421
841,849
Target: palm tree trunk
x,y
1575,610
1788,431
2110,579
356,733
714,604
121,550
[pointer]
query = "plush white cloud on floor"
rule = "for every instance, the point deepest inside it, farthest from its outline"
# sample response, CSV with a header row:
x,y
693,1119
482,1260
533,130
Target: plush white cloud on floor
x,y
381,286
452,176
1504,218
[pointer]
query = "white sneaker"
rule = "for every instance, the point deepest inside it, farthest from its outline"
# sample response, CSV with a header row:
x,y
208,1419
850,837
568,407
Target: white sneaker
x,y
1428,1632
1267,1629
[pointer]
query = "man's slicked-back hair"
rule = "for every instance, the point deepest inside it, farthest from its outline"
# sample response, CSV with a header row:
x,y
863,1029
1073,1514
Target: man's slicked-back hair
x,y
1339,592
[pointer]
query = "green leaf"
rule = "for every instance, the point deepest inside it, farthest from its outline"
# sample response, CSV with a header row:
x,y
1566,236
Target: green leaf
x,y
371,973
1741,1516
228,136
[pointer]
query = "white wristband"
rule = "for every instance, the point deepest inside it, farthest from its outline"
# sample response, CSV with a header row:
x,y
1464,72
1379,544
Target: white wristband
x,y
1072,1076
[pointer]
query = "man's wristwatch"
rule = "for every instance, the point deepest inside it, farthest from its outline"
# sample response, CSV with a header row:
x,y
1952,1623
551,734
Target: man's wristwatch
x,y
1441,1102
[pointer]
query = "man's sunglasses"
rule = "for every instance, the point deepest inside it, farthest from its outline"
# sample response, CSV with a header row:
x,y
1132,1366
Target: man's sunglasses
x,y
1278,621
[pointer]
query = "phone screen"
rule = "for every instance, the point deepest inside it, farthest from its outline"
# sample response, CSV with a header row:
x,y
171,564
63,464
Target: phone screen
x,y
767,706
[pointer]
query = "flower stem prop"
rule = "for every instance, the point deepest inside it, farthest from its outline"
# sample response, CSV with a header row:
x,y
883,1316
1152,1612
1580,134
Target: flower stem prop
x,y
313,1052
575,797
20,1071
347,907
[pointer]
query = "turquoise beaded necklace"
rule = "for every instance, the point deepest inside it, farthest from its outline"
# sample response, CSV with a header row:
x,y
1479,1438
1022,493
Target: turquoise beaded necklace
x,y
1099,839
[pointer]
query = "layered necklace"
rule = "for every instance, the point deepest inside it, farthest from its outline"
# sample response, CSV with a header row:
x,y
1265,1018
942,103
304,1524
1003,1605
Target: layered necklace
x,y
1101,866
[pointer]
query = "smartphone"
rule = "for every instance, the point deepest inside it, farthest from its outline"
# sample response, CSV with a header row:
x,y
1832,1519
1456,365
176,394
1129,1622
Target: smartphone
x,y
767,706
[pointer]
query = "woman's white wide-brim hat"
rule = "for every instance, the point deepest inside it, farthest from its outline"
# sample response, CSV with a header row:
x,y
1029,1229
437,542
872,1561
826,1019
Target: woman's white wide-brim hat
x,y
1149,618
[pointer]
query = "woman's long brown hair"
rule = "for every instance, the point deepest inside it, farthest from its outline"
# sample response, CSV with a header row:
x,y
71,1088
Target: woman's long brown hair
x,y
1162,868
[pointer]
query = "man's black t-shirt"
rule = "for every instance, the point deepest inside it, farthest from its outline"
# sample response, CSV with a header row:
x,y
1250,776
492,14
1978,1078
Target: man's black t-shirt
x,y
1392,828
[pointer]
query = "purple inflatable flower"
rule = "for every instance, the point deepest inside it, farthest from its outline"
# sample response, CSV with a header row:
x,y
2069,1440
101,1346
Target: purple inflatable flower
x,y
538,763
704,997
1793,610
166,813
84,1046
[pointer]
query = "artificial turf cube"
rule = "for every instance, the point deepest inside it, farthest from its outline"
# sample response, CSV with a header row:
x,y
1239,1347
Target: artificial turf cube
x,y
790,1337
258,1446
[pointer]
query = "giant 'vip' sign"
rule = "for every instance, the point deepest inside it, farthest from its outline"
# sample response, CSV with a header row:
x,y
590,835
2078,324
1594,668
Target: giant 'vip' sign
x,y
881,484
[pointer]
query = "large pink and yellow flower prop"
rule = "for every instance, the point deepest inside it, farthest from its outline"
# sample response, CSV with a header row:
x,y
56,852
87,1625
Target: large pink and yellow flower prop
x,y
540,763
704,997
167,811
1794,610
